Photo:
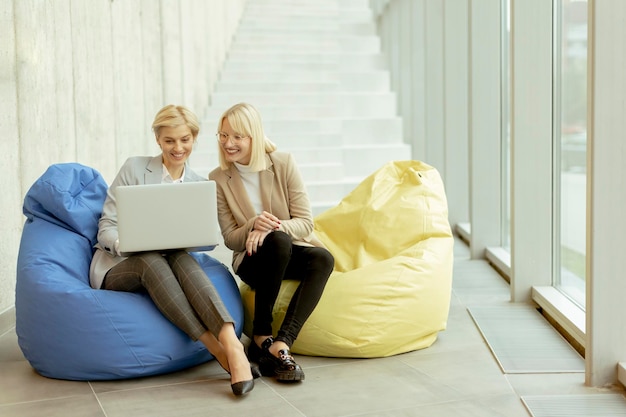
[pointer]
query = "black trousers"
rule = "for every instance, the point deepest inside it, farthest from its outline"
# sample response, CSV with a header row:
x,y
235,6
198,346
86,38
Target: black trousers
x,y
276,260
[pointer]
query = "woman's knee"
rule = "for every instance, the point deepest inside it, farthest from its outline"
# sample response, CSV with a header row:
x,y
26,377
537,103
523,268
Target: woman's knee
x,y
325,260
148,258
182,262
179,256
278,242
153,267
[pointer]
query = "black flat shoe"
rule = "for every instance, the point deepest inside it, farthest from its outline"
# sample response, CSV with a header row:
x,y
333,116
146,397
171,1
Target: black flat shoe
x,y
255,352
242,387
285,369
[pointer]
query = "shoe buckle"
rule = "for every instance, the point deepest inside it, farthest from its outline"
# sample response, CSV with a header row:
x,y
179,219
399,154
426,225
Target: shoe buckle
x,y
267,343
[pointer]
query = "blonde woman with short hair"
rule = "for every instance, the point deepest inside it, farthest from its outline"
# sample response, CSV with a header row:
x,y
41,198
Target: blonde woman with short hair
x,y
176,283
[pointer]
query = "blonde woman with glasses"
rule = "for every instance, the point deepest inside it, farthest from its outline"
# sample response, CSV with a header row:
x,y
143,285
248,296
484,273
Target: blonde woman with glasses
x,y
265,219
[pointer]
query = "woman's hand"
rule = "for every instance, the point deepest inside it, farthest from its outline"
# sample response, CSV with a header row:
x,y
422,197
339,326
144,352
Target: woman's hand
x,y
255,239
266,222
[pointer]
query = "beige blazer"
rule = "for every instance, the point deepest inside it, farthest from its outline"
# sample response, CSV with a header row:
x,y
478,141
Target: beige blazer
x,y
136,170
282,193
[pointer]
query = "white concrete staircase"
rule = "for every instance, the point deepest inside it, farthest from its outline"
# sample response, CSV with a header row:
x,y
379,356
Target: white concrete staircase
x,y
315,71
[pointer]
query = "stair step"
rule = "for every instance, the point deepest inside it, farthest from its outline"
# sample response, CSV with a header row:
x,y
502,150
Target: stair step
x,y
285,105
279,125
379,130
261,77
314,16
274,66
303,3
300,62
318,156
385,107
280,58
289,24
330,191
338,99
362,161
352,44
366,81
277,87
287,5
321,172
304,141
343,27
273,36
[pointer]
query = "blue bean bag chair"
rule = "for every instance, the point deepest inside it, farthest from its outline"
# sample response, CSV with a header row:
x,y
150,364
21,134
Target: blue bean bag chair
x,y
66,329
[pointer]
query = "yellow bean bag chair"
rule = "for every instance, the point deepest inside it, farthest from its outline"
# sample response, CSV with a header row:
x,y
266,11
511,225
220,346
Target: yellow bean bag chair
x,y
390,290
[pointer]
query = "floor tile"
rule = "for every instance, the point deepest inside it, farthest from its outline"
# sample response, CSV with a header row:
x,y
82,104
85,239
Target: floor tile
x,y
362,386
202,372
7,320
80,406
495,406
205,398
470,372
20,383
9,348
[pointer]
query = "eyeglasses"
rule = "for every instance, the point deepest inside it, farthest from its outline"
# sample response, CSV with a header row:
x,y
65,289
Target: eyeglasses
x,y
223,137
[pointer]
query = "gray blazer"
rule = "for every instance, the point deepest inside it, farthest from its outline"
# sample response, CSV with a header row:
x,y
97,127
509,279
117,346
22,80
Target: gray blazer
x,y
136,170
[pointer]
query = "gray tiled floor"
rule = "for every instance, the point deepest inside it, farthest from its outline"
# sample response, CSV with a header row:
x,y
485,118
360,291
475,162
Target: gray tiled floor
x,y
457,376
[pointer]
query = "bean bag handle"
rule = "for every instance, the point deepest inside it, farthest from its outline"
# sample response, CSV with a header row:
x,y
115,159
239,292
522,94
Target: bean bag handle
x,y
69,195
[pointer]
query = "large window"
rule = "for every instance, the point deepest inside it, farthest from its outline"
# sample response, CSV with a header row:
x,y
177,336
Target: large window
x,y
570,133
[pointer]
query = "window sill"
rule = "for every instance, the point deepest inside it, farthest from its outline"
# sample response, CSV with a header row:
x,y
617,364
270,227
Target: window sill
x,y
501,260
567,315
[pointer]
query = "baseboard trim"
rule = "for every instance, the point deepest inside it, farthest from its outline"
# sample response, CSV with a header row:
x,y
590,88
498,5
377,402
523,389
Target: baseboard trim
x,y
621,373
7,320
464,231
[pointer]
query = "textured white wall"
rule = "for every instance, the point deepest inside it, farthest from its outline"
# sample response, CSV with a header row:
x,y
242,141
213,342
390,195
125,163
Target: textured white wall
x,y
80,81
10,212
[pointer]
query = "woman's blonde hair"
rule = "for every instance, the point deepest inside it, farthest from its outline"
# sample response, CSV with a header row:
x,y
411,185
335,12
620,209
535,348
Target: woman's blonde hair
x,y
246,121
174,116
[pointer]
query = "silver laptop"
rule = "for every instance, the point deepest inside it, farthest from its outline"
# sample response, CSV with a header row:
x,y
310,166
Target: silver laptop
x,y
167,216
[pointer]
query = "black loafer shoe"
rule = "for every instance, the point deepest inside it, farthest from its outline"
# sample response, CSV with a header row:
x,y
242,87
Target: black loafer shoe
x,y
255,352
288,369
284,368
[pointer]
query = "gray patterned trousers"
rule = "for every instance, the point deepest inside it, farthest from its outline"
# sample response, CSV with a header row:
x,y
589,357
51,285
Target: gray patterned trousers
x,y
178,286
